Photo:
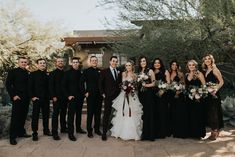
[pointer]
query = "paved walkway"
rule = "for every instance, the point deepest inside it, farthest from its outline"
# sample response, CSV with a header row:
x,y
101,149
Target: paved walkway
x,y
85,147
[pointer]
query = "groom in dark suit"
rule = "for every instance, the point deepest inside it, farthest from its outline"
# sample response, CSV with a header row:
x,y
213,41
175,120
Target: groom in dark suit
x,y
109,87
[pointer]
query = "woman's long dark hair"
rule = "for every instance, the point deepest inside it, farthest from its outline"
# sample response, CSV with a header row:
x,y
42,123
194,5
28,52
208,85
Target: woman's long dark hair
x,y
162,68
139,66
177,64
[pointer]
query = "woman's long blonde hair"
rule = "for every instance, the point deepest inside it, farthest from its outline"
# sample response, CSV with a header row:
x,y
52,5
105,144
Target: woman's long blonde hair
x,y
204,66
133,67
196,71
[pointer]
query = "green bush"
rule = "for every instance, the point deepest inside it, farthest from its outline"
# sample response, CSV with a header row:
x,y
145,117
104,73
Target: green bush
x,y
228,106
5,117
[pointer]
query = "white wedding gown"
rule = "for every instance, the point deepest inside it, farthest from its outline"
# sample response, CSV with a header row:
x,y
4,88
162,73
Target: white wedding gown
x,y
127,126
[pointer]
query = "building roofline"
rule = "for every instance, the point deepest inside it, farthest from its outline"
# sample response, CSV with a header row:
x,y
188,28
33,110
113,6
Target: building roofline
x,y
69,41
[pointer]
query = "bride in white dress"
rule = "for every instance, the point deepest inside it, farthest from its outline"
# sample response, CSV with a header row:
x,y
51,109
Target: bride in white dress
x,y
127,122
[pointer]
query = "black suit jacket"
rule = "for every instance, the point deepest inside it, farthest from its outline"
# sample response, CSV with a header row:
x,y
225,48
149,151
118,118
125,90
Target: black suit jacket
x,y
108,85
55,84
39,84
17,83
90,81
70,83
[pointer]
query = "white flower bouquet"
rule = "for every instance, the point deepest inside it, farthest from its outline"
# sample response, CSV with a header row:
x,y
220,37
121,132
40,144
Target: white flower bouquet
x,y
177,87
212,88
162,87
143,79
196,93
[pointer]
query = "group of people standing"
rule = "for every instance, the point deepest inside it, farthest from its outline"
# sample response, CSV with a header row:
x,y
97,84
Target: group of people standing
x,y
64,88
153,113
140,114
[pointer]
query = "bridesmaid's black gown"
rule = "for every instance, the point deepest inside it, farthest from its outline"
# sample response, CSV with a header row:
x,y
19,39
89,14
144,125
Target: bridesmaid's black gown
x,y
197,127
146,98
214,113
179,114
161,116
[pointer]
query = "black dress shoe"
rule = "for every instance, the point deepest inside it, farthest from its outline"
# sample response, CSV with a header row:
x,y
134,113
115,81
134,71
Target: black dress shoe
x,y
104,137
90,135
56,137
98,132
81,131
35,138
48,133
72,138
13,142
25,135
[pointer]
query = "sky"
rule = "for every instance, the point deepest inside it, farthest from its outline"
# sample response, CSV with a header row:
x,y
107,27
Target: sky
x,y
72,14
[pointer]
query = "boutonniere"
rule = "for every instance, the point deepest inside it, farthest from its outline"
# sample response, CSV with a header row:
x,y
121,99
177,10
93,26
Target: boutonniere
x,y
118,71
99,71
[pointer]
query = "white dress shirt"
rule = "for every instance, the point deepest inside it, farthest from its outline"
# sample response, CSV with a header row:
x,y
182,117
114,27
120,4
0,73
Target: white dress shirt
x,y
112,71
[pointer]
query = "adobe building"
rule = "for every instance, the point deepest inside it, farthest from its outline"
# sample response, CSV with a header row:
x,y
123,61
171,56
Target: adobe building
x,y
86,43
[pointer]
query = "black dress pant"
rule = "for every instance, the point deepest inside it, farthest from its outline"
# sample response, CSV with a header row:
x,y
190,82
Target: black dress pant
x,y
108,101
59,109
42,105
74,109
94,105
18,117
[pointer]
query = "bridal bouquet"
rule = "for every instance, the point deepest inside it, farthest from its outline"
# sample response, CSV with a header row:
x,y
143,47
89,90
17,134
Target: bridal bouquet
x,y
143,79
212,88
196,93
162,86
129,88
177,87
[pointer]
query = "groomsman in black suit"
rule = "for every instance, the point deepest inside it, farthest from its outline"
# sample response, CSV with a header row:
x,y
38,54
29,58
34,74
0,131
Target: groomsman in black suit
x,y
72,91
109,82
17,87
58,98
38,91
90,80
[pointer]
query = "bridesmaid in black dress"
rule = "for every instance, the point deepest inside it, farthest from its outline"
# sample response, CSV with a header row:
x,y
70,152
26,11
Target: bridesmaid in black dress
x,y
162,119
146,98
194,77
178,107
213,101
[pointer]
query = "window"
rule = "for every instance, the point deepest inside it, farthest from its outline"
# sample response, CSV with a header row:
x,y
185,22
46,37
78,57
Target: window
x,y
99,57
122,58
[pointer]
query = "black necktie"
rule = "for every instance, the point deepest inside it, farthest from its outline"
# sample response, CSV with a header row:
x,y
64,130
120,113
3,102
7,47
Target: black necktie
x,y
115,74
